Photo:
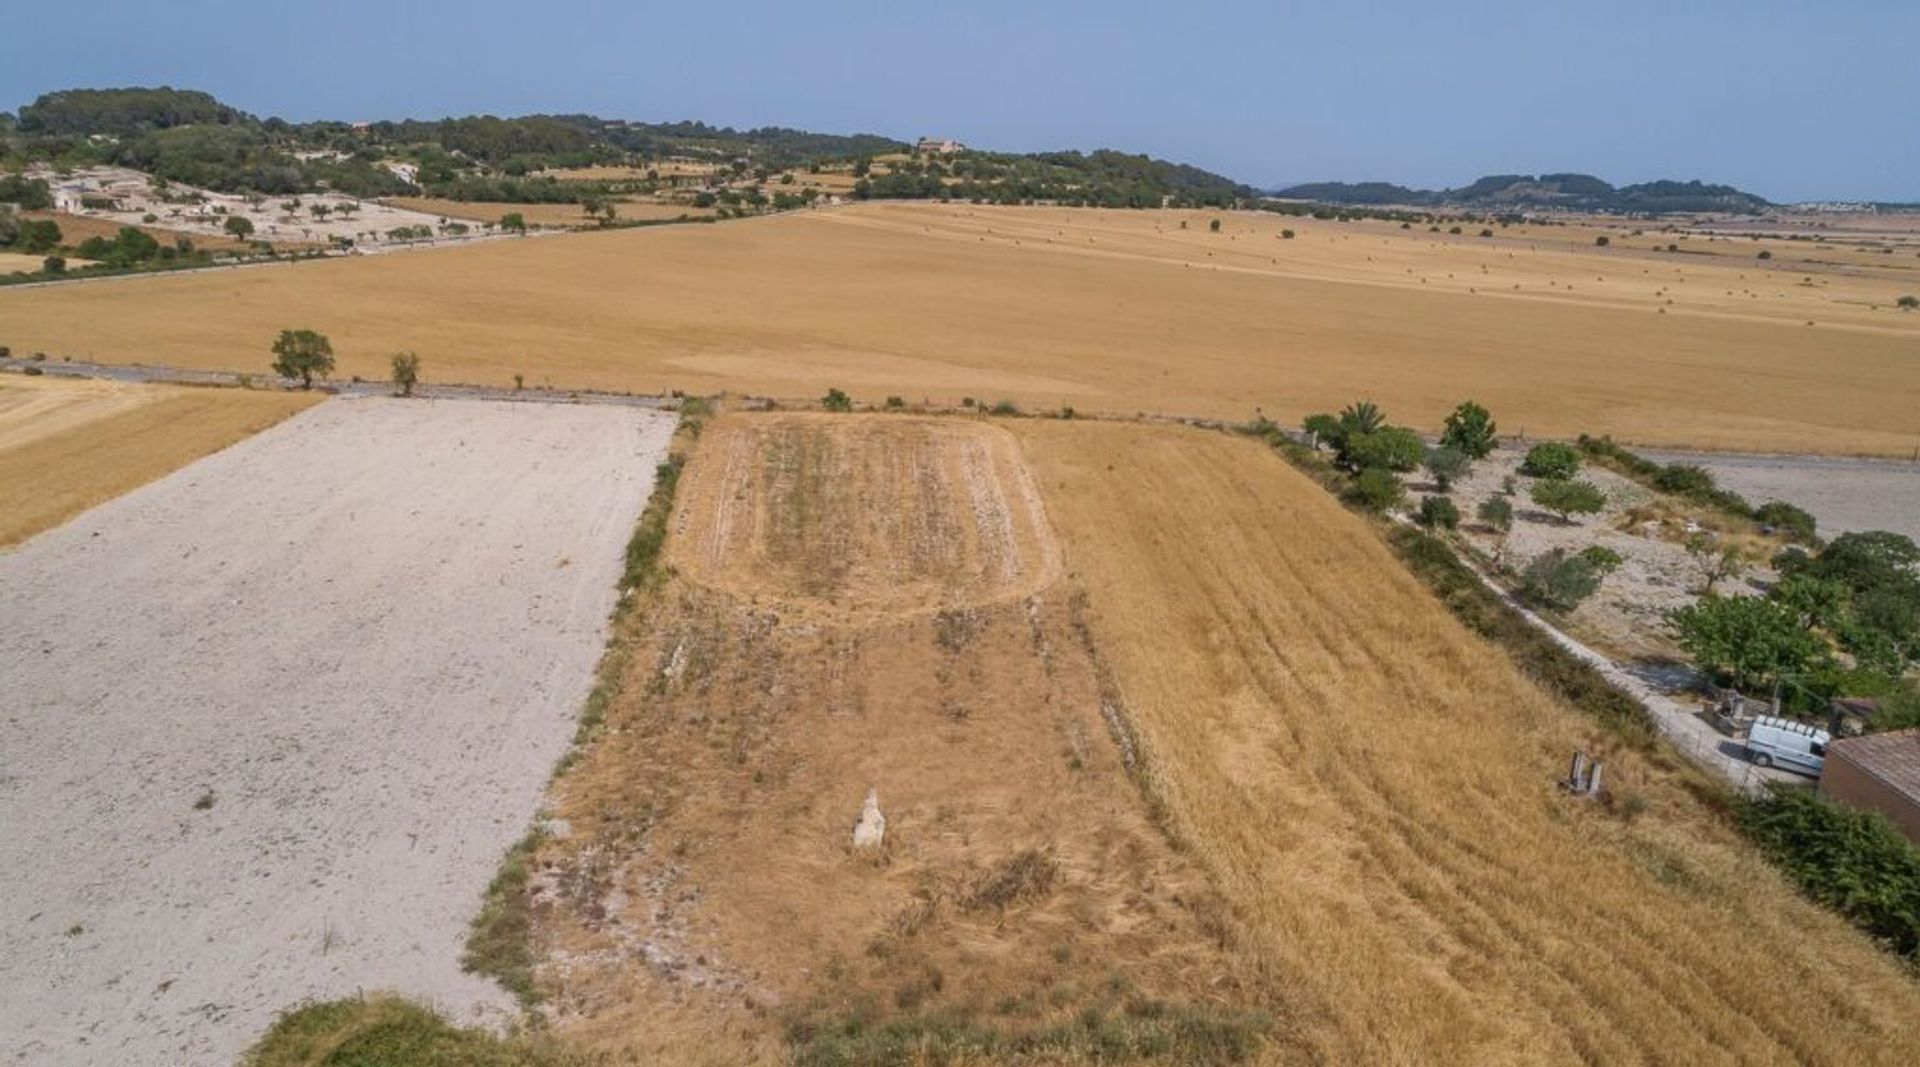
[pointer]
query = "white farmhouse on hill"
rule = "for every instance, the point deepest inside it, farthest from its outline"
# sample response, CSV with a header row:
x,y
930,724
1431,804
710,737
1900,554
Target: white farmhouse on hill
x,y
944,146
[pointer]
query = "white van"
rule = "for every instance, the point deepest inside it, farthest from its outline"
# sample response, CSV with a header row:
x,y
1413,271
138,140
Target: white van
x,y
1790,745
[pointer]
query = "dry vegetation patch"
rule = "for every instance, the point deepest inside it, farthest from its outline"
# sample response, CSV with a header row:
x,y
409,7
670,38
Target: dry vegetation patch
x,y
68,444
706,903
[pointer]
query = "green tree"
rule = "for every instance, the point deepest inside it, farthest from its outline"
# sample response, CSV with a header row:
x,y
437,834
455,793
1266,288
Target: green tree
x,y
513,222
1716,561
239,226
1751,640
302,354
1567,498
1555,579
38,235
1375,489
1496,512
1470,429
1908,302
1214,225
1446,465
406,372
1393,448
1323,429
1796,523
1551,459
1438,512
835,400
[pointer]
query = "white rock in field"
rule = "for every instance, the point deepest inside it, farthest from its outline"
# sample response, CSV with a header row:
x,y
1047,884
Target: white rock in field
x,y
872,827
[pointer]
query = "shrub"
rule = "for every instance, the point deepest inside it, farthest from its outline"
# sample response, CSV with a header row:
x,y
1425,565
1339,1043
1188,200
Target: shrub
x,y
1604,559
1004,407
1764,254
1852,861
1551,459
54,265
835,400
1684,479
1567,498
1486,233
1496,512
1323,428
1795,522
406,372
1214,225
894,403
1287,235
1471,429
1375,489
1557,580
1602,241
1447,465
1908,302
1438,512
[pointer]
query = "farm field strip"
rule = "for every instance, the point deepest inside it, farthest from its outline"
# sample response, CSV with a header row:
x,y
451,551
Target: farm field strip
x,y
883,299
274,718
67,444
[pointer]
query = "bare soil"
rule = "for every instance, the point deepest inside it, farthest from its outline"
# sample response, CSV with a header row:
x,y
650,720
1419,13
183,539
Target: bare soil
x,y
271,721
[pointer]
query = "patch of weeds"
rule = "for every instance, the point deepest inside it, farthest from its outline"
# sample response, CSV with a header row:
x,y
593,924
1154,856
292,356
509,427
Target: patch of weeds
x,y
1026,875
1004,407
205,802
76,930
500,942
1141,1030
390,1032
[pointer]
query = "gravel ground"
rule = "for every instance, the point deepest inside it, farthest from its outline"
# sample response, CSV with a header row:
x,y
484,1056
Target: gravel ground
x,y
270,722
1845,495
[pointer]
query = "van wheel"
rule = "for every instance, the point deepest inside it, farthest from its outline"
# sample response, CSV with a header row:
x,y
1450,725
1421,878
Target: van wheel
x,y
1761,759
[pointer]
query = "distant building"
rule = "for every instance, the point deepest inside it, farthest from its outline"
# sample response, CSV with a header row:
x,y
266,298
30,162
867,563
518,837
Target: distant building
x,y
1878,772
942,146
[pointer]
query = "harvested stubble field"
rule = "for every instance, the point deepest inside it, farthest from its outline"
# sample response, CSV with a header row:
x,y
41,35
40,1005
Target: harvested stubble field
x,y
271,721
67,444
1104,310
567,215
1230,786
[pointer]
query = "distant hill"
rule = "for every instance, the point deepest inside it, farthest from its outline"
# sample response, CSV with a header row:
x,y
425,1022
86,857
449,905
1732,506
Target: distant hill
x,y
1580,192
190,137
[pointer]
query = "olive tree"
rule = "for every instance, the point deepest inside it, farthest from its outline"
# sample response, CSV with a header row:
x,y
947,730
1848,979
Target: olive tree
x,y
302,354
1567,498
406,372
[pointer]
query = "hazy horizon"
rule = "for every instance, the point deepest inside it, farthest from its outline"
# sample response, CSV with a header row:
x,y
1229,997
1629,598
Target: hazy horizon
x,y
1788,101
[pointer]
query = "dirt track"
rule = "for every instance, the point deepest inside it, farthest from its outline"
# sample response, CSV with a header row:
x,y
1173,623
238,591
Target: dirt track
x,y
272,720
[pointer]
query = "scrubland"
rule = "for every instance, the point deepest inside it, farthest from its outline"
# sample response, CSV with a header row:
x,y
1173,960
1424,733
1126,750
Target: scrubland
x,y
68,444
1104,310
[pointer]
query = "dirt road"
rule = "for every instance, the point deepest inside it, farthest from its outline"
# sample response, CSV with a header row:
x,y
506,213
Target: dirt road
x,y
271,721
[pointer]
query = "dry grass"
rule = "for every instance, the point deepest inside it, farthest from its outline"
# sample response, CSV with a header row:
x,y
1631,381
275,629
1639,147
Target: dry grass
x,y
567,215
706,900
1104,310
67,445
77,228
1371,788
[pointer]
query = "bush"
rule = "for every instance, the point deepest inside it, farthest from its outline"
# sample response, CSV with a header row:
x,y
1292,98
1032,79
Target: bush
x,y
1854,862
54,265
1551,459
1393,448
1004,407
1684,479
406,372
1471,429
1214,225
1604,559
1764,254
1567,498
1908,302
1796,523
1447,465
1496,512
1375,489
894,403
1557,580
835,400
1287,235
1602,241
1323,428
1438,512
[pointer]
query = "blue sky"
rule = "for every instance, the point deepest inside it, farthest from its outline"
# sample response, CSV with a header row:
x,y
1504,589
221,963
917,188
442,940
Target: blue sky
x,y
1790,100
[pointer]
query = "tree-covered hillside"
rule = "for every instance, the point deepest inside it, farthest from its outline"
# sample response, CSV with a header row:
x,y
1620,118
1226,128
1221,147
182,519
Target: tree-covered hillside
x,y
1579,192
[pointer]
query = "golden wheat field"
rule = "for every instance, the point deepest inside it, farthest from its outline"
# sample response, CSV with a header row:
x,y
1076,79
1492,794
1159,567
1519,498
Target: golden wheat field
x,y
1371,788
1102,310
68,444
1179,766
